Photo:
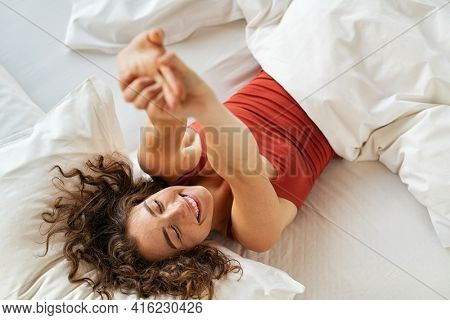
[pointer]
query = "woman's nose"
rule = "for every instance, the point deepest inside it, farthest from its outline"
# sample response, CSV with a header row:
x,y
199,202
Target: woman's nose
x,y
176,211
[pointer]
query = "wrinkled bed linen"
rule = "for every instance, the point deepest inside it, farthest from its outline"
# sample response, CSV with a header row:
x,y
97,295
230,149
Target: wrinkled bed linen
x,y
374,76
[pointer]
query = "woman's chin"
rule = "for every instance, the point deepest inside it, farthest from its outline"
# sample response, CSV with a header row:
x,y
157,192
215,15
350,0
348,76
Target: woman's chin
x,y
206,203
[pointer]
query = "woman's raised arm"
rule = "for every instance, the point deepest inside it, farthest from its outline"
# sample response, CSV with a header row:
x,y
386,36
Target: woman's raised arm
x,y
166,148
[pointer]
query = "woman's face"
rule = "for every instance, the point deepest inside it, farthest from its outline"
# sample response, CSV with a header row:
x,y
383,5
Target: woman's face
x,y
173,219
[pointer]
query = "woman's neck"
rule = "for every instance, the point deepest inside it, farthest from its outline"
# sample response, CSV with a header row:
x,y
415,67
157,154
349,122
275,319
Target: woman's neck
x,y
223,201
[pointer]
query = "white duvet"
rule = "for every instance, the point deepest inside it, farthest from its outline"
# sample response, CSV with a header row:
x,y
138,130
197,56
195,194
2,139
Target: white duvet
x,y
374,76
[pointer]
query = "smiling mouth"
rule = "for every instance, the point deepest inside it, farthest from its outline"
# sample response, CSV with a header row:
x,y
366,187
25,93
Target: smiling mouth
x,y
194,204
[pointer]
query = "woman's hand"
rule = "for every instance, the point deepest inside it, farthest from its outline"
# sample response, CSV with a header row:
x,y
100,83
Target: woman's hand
x,y
138,59
140,78
194,97
159,82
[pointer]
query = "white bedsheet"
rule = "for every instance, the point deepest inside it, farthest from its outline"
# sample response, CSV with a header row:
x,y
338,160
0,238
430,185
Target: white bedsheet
x,y
360,235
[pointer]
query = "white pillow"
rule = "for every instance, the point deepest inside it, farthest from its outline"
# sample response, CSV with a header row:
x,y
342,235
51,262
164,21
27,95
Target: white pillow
x,y
84,123
110,25
17,111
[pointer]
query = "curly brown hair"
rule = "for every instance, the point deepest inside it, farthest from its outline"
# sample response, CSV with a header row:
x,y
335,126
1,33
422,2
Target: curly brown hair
x,y
92,214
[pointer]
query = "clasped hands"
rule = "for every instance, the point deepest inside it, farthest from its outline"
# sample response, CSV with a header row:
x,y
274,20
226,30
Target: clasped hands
x,y
158,82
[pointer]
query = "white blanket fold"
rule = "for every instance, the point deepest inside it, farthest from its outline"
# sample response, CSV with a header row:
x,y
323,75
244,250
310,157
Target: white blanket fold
x,y
374,76
108,26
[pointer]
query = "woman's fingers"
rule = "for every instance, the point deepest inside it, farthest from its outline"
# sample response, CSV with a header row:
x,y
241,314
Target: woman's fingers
x,y
189,80
133,90
147,95
125,80
174,83
158,102
153,37
171,59
164,90
156,36
171,99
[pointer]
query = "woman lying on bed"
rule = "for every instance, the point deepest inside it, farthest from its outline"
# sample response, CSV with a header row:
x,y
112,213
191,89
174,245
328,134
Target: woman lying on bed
x,y
242,169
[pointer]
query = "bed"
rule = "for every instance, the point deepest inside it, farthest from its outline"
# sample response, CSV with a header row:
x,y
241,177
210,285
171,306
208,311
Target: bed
x,y
359,235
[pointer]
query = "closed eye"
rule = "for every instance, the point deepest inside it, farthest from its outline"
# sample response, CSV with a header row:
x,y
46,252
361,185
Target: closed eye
x,y
160,206
177,231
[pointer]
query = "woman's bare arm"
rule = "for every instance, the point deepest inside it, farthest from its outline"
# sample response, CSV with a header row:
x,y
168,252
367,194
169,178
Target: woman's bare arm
x,y
166,149
258,215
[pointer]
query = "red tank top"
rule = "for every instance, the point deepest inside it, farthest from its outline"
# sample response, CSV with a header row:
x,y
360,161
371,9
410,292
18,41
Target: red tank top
x,y
286,136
